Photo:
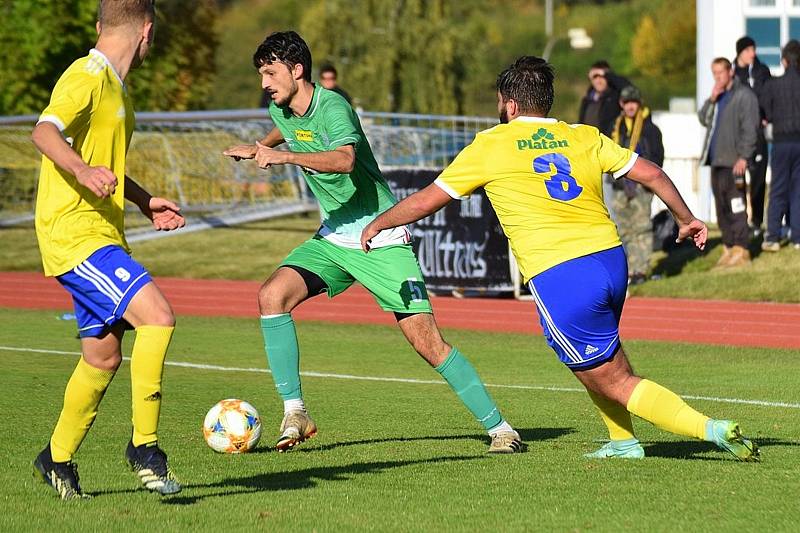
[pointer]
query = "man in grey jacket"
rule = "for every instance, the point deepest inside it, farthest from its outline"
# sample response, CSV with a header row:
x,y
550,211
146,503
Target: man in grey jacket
x,y
732,118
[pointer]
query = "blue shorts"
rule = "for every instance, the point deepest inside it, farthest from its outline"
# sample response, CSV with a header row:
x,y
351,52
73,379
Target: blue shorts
x,y
102,287
580,304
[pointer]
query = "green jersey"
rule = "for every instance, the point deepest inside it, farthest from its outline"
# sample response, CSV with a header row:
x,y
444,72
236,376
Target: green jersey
x,y
348,202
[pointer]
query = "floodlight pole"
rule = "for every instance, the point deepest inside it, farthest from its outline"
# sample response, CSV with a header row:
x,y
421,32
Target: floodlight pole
x,y
548,29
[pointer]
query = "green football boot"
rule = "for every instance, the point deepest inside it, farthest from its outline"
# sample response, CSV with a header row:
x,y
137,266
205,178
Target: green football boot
x,y
727,435
618,449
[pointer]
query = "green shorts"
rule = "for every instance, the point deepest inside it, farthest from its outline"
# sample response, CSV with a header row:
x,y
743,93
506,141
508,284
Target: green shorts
x,y
390,273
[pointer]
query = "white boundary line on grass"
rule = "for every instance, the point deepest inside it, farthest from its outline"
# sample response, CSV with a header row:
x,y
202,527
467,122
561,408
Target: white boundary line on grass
x,y
217,368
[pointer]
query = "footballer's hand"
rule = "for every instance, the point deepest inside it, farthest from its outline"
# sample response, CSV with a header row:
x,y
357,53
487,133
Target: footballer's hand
x,y
165,215
367,235
695,230
100,180
243,151
266,156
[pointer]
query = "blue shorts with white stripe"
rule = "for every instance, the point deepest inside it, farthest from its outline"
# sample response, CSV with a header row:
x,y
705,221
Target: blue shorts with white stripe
x,y
580,304
102,287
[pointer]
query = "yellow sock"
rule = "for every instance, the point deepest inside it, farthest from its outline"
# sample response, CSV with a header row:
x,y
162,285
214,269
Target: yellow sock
x,y
147,368
616,417
84,391
666,410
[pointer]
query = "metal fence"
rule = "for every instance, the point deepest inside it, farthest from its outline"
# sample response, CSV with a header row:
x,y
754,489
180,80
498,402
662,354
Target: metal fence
x,y
179,155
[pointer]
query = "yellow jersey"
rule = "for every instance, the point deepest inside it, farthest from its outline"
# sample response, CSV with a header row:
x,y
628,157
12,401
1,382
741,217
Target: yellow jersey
x,y
544,179
92,109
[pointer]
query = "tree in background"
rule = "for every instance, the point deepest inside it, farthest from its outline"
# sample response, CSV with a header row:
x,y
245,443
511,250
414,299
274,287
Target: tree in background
x,y
666,49
41,39
418,56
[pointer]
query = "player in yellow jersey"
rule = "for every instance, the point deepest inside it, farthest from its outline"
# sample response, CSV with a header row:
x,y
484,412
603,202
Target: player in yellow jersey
x,y
543,178
83,135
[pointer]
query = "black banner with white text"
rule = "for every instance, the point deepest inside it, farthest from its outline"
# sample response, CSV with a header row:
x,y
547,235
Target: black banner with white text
x,y
460,246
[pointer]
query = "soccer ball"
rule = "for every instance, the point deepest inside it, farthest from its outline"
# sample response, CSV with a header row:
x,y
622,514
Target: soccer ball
x,y
232,426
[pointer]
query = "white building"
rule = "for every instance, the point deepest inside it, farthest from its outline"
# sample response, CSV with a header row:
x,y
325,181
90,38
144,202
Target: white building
x,y
770,23
720,23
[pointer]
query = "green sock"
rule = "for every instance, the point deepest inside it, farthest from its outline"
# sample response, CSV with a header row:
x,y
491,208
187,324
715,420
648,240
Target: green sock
x,y
464,380
283,355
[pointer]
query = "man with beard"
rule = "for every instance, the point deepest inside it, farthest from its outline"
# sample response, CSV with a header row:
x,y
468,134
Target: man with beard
x,y
326,140
543,178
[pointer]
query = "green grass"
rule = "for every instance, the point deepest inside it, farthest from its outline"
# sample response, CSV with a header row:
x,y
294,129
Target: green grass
x,y
401,456
772,277
252,251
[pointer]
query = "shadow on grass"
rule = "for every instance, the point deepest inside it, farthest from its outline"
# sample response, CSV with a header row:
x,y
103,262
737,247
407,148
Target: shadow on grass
x,y
527,435
691,449
674,263
300,479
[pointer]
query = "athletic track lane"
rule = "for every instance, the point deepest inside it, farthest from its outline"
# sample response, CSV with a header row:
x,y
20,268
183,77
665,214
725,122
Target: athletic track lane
x,y
663,319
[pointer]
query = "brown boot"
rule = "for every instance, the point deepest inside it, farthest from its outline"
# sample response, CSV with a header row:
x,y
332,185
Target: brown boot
x,y
740,257
724,258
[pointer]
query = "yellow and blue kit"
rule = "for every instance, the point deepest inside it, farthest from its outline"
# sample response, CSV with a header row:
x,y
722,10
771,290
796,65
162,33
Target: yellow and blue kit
x,y
81,237
544,179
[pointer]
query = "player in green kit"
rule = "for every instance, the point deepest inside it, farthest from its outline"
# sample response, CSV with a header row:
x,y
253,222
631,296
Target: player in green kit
x,y
325,138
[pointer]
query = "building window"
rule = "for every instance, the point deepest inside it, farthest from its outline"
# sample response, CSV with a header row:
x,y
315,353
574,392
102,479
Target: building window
x,y
766,32
794,27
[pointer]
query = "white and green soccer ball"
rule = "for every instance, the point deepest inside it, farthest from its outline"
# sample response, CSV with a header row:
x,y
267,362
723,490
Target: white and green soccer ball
x,y
232,426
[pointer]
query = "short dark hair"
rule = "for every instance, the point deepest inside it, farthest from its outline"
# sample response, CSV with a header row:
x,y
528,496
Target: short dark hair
x,y
328,68
285,47
791,53
112,13
722,61
529,82
601,63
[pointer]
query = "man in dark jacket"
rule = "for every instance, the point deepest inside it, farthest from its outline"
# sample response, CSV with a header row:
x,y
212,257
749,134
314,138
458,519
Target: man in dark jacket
x,y
634,129
752,72
731,117
781,103
600,105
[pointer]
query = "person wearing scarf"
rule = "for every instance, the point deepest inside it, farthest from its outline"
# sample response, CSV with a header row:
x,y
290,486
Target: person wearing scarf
x,y
634,129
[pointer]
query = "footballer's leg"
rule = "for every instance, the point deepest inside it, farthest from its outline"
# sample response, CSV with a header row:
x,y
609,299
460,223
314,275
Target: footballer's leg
x,y
393,276
663,408
279,295
422,333
151,315
96,368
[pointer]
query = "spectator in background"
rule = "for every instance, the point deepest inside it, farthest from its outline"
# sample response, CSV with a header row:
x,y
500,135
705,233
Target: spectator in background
x,y
780,100
328,79
752,72
600,105
634,129
731,117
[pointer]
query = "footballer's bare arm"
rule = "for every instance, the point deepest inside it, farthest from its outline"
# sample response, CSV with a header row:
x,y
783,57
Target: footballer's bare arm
x,y
248,151
340,160
51,143
412,208
164,214
654,178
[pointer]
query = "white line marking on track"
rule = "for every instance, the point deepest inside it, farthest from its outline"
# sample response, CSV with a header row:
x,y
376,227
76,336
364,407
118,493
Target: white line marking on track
x,y
218,368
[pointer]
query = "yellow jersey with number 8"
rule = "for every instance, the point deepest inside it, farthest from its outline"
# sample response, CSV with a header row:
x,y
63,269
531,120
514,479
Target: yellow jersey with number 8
x,y
91,108
544,179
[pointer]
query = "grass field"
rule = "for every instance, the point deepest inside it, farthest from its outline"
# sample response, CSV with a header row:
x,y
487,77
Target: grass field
x,y
401,456
252,251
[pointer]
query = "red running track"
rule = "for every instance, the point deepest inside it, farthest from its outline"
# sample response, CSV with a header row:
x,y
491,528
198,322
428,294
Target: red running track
x,y
663,319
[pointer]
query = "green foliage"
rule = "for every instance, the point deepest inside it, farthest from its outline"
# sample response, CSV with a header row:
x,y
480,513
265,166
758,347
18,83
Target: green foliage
x,y
179,71
41,39
664,44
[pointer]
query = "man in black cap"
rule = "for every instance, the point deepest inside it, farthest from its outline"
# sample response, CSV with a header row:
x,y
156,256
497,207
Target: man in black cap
x,y
750,71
